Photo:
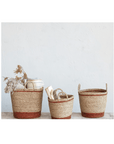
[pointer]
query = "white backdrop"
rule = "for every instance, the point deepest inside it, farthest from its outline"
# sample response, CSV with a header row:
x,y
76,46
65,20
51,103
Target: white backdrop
x,y
62,55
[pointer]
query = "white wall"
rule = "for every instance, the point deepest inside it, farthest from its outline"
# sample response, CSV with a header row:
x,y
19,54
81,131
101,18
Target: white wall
x,y
62,55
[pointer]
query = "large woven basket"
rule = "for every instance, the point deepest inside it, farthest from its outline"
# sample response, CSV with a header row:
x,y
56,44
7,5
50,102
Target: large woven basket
x,y
92,102
27,103
61,108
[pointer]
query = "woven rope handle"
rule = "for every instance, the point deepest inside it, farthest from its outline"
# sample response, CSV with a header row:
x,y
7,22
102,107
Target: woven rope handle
x,y
55,93
79,87
62,93
58,89
27,83
106,87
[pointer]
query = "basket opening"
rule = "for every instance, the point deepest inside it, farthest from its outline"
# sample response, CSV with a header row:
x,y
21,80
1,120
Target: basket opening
x,y
63,96
94,90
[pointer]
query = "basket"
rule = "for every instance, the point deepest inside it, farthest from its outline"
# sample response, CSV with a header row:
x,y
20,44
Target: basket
x,y
61,108
92,102
27,103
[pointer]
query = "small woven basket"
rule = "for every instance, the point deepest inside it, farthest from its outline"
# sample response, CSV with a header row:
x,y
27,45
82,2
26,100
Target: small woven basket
x,y
61,108
92,102
27,103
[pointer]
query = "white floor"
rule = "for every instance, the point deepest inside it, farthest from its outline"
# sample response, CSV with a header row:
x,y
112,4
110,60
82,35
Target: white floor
x,y
9,115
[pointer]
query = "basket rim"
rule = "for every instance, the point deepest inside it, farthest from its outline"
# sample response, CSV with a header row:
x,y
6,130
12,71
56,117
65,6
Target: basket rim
x,y
93,91
62,100
29,90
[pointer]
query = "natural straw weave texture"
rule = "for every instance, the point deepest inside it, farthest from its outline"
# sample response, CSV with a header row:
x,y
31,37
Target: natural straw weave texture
x,y
92,101
27,101
61,108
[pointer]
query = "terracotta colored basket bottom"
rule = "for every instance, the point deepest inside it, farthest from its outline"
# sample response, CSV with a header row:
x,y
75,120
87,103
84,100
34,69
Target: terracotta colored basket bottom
x,y
26,115
69,117
93,115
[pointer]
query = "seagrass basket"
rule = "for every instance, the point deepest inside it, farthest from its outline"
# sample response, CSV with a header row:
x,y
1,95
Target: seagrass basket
x,y
61,108
27,103
92,102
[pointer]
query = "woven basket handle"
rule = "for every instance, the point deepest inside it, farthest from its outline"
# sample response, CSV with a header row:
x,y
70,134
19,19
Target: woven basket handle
x,y
62,93
106,87
58,89
29,82
79,87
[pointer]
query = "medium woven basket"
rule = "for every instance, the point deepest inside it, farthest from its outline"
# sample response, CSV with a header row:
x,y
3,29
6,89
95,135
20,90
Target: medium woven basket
x,y
61,108
27,103
92,102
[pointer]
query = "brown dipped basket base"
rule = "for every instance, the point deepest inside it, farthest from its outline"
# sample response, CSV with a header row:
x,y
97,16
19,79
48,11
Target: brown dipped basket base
x,y
92,115
26,115
69,117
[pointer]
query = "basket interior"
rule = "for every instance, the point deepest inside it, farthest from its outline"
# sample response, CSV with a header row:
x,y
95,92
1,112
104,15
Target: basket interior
x,y
94,91
63,96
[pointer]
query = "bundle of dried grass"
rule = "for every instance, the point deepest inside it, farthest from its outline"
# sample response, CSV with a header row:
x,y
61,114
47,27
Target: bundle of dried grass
x,y
13,83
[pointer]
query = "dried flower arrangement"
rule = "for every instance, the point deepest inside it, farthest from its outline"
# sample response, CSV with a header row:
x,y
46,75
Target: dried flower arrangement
x,y
14,83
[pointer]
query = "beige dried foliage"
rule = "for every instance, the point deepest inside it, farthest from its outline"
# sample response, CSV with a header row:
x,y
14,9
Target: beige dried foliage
x,y
22,81
19,69
18,78
12,83
25,76
5,78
